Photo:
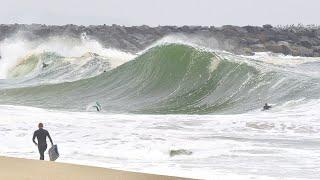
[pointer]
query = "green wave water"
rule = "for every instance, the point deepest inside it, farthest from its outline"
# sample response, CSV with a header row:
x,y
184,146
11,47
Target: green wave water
x,y
174,79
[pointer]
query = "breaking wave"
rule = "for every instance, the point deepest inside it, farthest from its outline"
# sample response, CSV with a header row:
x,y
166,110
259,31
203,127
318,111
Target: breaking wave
x,y
56,59
165,79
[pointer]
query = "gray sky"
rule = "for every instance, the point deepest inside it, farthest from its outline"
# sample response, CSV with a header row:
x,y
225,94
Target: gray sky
x,y
161,12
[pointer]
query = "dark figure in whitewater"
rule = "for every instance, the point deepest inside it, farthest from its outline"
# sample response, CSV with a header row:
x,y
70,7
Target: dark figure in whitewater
x,y
97,106
44,65
41,135
266,107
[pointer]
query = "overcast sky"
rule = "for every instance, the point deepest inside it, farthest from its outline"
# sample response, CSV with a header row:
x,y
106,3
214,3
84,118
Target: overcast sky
x,y
161,12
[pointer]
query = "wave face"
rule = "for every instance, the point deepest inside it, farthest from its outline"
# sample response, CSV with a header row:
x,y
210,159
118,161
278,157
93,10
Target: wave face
x,y
173,79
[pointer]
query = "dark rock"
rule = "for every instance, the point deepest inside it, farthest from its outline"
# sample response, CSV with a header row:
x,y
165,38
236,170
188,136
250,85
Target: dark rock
x,y
258,48
316,51
267,26
301,51
247,51
179,152
306,44
278,48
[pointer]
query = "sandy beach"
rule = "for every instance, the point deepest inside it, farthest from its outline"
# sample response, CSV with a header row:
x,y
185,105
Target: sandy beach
x,y
27,169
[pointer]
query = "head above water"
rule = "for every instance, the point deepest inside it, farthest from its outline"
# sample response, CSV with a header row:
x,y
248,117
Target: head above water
x,y
40,125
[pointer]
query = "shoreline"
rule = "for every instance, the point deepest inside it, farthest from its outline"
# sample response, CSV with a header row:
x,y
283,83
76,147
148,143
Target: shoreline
x,y
12,168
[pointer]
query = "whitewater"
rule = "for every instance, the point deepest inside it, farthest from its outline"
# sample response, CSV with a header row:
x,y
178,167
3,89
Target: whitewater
x,y
176,108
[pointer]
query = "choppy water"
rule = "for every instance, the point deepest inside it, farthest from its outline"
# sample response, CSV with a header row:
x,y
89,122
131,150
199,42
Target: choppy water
x,y
173,96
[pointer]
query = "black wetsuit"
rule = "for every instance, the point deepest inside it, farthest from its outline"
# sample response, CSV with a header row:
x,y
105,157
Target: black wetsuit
x,y
41,135
266,107
44,65
97,108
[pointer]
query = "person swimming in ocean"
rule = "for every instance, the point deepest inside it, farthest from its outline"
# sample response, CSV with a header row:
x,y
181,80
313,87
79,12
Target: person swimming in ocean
x,y
266,107
41,135
44,65
97,106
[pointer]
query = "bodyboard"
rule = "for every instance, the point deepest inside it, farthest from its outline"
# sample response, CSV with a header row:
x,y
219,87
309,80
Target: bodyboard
x,y
53,153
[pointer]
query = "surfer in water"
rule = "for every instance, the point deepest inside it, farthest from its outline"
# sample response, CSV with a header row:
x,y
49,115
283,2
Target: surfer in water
x,y
41,135
44,65
97,106
266,107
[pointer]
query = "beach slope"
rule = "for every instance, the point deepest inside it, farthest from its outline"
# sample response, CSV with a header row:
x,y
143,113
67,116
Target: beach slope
x,y
27,169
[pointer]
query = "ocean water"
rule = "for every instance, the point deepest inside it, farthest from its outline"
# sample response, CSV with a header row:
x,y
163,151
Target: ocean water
x,y
176,108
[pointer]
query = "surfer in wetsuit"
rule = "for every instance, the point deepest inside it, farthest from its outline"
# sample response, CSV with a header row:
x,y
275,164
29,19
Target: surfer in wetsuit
x,y
41,135
97,106
44,65
266,106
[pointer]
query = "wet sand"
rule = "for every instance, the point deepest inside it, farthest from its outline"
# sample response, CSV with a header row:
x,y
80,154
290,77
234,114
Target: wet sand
x,y
27,169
